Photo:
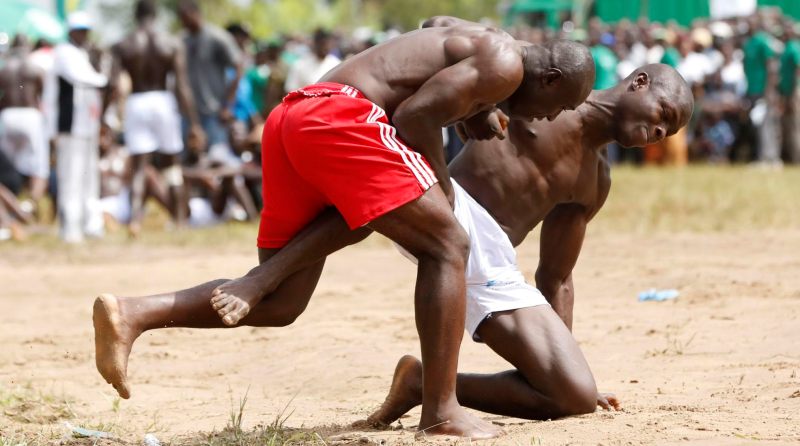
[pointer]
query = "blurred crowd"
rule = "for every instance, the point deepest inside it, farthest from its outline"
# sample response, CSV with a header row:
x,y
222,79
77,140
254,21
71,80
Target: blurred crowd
x,y
743,73
175,121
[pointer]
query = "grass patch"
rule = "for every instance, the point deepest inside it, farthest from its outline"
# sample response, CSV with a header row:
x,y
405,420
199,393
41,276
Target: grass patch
x,y
24,404
273,434
700,199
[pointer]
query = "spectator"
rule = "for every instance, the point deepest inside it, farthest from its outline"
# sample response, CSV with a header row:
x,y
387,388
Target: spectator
x,y
313,66
789,74
210,52
605,61
78,125
760,68
23,136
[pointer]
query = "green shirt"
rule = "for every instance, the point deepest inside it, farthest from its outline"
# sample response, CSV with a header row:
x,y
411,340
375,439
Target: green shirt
x,y
258,77
790,60
757,53
671,57
605,66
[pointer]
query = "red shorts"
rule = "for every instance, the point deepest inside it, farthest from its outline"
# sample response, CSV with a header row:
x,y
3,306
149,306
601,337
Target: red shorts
x,y
327,145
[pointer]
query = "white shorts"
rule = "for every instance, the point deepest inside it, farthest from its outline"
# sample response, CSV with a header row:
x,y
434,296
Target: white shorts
x,y
118,206
153,123
494,283
24,140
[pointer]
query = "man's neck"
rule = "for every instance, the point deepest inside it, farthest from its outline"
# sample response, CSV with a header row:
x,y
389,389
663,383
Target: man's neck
x,y
597,114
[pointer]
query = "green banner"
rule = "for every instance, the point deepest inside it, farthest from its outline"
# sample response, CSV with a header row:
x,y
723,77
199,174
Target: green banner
x,y
65,7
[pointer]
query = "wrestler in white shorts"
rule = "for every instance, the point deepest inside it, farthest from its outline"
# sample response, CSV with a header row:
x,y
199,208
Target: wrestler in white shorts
x,y
494,283
153,123
24,140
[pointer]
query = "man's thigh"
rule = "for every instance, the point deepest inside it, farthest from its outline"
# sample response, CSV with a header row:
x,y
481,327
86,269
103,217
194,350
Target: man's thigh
x,y
536,342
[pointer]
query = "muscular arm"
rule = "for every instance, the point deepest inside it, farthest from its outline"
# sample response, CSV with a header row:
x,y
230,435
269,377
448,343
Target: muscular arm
x,y
182,90
112,89
560,245
479,80
562,235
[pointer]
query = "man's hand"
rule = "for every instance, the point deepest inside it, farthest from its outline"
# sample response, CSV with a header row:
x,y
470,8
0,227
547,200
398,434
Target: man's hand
x,y
486,125
608,401
226,115
196,139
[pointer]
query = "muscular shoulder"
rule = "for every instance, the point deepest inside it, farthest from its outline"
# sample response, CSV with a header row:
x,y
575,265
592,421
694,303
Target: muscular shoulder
x,y
495,53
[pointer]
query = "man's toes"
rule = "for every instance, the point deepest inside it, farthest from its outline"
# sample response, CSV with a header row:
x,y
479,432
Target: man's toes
x,y
238,314
221,302
228,308
230,320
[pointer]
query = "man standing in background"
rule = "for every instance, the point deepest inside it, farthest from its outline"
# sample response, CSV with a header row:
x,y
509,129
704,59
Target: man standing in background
x,y
790,71
210,52
313,66
152,121
760,68
78,106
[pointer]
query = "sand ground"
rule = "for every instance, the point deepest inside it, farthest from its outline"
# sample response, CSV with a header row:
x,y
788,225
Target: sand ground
x,y
717,366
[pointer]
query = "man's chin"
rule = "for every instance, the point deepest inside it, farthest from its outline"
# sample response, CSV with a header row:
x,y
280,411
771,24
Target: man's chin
x,y
631,144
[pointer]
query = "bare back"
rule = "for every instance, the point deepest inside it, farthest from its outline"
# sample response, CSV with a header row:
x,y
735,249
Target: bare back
x,y
542,164
148,56
389,73
20,83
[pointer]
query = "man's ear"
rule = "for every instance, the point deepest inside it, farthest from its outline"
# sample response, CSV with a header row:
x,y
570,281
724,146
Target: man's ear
x,y
551,76
642,80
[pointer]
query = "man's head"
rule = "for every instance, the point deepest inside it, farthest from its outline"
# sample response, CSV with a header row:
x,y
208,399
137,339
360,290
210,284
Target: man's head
x,y
240,34
323,43
654,102
559,75
190,15
79,23
145,10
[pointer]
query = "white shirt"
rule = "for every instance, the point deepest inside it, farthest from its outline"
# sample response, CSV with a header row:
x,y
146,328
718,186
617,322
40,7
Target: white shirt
x,y
71,64
309,70
695,67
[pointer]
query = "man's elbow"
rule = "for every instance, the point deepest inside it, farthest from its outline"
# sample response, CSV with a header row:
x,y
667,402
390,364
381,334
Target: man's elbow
x,y
549,281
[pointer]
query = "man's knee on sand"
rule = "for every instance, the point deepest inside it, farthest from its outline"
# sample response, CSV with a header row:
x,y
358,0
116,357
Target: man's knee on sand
x,y
573,395
578,396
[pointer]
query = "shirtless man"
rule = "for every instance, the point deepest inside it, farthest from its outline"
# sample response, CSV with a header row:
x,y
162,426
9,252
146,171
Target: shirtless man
x,y
23,135
152,121
554,173
338,144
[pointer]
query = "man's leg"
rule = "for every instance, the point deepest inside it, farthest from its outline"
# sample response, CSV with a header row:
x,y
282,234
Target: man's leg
x,y
428,229
177,192
551,380
70,154
118,321
139,162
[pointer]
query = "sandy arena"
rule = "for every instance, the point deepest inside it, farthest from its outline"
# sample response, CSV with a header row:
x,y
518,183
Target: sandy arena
x,y
717,366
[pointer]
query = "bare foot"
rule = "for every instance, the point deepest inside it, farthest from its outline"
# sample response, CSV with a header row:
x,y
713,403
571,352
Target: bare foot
x,y
18,233
134,229
404,394
113,339
457,422
233,299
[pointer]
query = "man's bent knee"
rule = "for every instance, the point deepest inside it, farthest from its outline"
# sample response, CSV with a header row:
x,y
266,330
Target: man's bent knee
x,y
578,397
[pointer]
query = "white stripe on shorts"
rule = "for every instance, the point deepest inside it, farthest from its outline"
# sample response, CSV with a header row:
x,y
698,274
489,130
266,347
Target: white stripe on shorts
x,y
423,176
